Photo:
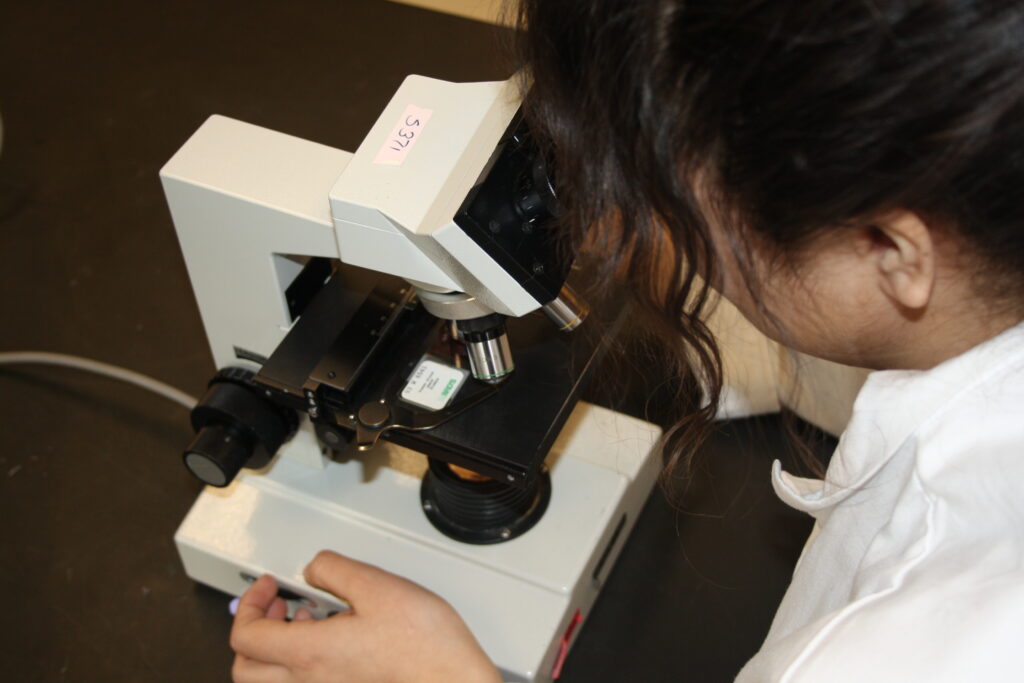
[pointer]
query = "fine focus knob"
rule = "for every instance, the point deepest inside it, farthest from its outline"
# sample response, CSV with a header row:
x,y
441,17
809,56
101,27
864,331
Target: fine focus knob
x,y
216,454
236,426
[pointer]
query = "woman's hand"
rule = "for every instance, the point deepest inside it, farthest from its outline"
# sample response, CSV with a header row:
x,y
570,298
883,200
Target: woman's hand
x,y
395,632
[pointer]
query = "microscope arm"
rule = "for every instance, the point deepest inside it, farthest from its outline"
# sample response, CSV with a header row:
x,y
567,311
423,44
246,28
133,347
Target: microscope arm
x,y
249,204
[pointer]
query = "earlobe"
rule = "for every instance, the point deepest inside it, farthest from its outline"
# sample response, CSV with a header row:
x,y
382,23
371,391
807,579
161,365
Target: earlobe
x,y
905,259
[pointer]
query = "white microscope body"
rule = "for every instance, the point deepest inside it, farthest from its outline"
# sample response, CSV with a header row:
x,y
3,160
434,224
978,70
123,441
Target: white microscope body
x,y
250,207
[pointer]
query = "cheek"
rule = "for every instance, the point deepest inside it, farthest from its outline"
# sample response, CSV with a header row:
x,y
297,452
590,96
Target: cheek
x,y
827,312
829,306
805,313
813,310
762,301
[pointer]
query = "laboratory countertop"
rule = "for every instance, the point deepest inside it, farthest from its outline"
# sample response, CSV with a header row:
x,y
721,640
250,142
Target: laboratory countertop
x,y
94,99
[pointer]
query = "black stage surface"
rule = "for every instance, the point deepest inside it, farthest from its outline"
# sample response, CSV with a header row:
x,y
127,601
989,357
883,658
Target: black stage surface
x,y
95,97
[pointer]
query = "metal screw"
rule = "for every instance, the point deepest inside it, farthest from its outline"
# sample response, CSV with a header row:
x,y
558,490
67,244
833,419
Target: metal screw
x,y
510,477
538,268
331,374
494,226
506,533
427,505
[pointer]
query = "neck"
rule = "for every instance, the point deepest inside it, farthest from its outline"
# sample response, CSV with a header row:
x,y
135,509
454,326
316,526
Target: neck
x,y
943,332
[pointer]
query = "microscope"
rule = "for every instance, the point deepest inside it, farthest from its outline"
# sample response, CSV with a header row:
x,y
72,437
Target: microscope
x,y
398,376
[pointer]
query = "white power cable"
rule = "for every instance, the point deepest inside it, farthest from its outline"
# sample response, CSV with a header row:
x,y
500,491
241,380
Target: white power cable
x,y
79,363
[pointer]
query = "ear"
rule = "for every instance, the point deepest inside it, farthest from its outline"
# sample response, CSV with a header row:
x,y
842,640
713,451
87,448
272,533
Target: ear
x,y
905,258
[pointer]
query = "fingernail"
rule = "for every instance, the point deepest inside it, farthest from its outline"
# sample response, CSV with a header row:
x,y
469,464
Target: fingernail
x,y
233,606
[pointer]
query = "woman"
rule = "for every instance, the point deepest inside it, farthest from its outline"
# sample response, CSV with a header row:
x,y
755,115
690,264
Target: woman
x,y
851,175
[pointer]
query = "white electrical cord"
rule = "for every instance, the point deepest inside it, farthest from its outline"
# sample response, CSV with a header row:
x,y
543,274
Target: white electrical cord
x,y
79,363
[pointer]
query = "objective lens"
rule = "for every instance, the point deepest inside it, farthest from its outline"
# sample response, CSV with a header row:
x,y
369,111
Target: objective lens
x,y
490,357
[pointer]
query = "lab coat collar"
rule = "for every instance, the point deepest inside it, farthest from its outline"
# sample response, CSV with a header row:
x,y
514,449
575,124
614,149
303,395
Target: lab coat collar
x,y
890,408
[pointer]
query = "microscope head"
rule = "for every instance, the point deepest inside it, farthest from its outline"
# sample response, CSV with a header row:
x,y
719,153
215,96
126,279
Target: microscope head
x,y
449,192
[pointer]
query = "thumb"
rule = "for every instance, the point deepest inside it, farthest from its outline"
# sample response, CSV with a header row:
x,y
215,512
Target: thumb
x,y
344,577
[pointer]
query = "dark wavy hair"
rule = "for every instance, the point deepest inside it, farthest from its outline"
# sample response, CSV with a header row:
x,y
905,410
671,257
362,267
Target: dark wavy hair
x,y
800,116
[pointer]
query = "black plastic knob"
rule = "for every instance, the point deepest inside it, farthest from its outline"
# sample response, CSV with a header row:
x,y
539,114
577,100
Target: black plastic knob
x,y
237,426
217,453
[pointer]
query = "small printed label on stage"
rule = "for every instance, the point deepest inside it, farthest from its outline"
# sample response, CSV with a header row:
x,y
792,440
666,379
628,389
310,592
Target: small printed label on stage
x,y
433,385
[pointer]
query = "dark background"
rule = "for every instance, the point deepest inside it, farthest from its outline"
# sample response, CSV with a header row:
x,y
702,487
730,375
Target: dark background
x,y
95,97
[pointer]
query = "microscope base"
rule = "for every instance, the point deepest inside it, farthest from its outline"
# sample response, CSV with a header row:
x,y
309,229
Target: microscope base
x,y
520,598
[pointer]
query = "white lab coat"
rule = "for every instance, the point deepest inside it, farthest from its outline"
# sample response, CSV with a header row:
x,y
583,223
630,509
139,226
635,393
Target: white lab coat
x,y
915,568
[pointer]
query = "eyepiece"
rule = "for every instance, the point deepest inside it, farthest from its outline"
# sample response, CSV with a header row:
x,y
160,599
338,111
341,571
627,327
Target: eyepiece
x,y
567,310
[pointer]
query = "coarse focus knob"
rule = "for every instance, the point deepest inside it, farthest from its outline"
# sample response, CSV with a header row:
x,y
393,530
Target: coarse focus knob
x,y
236,426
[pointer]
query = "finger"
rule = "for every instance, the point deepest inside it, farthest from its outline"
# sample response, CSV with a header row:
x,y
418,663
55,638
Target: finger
x,y
278,609
273,641
255,602
259,630
344,577
248,670
302,614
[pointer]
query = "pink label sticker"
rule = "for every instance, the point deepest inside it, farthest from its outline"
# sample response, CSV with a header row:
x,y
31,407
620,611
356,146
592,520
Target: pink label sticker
x,y
403,136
